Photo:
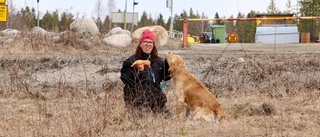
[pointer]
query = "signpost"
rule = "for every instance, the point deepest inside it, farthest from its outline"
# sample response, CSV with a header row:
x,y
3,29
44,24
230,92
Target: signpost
x,y
3,13
128,17
233,37
2,1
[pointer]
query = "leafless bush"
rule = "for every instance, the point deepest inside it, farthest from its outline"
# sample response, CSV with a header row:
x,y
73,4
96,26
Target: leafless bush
x,y
68,38
16,82
264,74
262,94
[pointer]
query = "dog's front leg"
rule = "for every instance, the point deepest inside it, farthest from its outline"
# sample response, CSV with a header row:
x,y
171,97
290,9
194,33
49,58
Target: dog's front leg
x,y
180,108
187,112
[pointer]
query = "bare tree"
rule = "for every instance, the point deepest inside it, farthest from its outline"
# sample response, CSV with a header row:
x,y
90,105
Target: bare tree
x,y
204,25
289,6
111,8
99,11
13,18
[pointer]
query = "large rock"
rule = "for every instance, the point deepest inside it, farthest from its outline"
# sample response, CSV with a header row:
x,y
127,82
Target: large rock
x,y
160,32
38,30
119,40
117,30
10,32
85,26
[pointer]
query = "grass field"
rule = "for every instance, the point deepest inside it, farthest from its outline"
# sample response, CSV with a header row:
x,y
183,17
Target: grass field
x,y
56,90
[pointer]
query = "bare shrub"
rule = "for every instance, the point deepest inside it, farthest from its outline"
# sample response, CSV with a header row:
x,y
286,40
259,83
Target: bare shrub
x,y
263,75
64,90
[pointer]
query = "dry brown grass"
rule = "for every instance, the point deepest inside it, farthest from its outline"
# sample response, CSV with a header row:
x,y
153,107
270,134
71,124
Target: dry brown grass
x,y
267,95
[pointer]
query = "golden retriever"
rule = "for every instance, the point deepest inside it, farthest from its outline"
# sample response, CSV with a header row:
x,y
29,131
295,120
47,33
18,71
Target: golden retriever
x,y
191,93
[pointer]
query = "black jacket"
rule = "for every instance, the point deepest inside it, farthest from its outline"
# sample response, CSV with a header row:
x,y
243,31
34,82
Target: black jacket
x,y
140,88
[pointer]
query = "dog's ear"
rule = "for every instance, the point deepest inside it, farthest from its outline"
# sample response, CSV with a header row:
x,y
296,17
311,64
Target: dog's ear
x,y
171,70
176,64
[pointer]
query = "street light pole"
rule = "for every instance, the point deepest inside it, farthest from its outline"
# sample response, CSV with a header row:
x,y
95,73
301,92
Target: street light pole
x,y
134,3
171,16
38,22
124,20
171,24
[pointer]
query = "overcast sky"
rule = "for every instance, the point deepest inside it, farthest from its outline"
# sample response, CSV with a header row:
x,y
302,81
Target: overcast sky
x,y
225,8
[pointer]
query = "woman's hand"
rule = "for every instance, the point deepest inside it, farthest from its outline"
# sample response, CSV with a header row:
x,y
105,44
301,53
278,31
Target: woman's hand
x,y
140,67
141,64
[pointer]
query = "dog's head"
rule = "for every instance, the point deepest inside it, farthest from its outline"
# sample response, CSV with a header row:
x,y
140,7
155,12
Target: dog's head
x,y
175,62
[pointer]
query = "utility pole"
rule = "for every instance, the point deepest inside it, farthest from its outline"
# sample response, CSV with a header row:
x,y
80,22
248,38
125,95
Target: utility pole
x,y
134,3
297,8
38,22
170,6
125,14
297,12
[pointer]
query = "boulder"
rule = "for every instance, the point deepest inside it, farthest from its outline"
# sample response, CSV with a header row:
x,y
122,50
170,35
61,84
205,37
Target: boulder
x,y
10,32
125,32
38,30
117,30
6,40
160,32
119,40
113,31
85,26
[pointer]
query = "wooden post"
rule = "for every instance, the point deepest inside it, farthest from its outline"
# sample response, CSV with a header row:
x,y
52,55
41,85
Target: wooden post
x,y
185,33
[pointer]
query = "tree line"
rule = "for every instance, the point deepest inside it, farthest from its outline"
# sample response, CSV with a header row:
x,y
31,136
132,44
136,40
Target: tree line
x,y
56,21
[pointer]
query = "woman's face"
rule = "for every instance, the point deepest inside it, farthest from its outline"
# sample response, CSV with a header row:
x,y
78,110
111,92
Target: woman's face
x,y
147,46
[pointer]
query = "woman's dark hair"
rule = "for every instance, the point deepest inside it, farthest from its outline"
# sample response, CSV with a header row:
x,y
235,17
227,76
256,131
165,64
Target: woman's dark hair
x,y
154,52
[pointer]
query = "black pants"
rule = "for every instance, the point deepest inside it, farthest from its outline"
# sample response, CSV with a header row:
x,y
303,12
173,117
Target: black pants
x,y
155,100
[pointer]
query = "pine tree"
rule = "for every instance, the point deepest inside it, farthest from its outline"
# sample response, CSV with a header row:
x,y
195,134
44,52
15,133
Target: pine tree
x,y
55,21
195,27
50,21
230,26
66,20
160,20
47,21
216,16
249,32
272,8
240,28
28,17
143,20
106,24
151,22
191,14
177,24
167,26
